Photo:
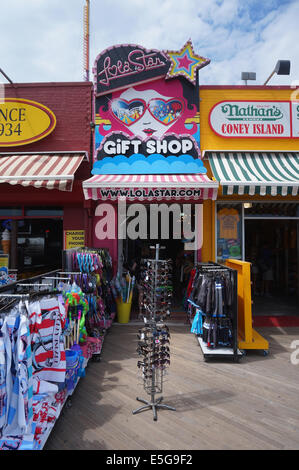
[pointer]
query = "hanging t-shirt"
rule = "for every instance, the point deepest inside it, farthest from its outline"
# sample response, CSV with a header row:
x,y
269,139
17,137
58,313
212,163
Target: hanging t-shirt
x,y
8,331
3,396
19,383
228,223
47,340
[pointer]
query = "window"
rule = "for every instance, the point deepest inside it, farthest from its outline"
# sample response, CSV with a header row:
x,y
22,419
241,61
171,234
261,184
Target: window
x,y
229,231
10,211
43,211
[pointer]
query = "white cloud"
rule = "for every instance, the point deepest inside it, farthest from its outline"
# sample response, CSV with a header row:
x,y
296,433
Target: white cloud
x,y
41,40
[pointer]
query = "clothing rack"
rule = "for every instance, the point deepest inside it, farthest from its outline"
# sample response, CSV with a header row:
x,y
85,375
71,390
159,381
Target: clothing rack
x,y
75,361
14,296
34,285
229,352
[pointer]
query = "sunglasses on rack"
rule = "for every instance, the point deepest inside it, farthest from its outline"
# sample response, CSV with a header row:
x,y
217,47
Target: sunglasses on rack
x,y
162,363
147,376
164,340
164,333
165,288
159,356
163,296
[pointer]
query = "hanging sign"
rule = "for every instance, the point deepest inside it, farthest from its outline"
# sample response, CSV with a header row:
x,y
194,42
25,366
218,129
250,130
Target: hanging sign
x,y
24,121
74,239
251,119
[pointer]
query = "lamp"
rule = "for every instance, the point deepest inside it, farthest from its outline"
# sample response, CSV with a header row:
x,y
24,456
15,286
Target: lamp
x,y
282,67
248,76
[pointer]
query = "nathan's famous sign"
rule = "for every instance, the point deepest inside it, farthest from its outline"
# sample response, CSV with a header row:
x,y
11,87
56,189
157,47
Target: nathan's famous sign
x,y
255,119
146,103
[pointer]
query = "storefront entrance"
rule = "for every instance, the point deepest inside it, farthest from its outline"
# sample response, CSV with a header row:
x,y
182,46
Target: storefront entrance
x,y
173,246
266,235
271,245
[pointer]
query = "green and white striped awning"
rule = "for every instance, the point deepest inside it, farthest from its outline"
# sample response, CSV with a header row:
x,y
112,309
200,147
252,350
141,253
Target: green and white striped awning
x,y
256,172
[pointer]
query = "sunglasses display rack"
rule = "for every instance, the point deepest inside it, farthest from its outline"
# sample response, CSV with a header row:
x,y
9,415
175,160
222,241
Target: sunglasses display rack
x,y
153,337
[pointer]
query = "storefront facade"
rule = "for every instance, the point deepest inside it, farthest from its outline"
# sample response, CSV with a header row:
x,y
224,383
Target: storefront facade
x,y
249,140
147,152
45,145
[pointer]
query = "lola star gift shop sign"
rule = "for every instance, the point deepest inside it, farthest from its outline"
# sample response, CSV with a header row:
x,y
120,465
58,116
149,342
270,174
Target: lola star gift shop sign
x,y
24,121
147,110
254,119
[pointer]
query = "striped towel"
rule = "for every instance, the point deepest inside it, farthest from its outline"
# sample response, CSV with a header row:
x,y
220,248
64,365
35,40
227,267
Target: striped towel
x,y
20,412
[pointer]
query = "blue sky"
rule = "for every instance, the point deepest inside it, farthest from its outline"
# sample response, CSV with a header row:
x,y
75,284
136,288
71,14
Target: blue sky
x,y
41,40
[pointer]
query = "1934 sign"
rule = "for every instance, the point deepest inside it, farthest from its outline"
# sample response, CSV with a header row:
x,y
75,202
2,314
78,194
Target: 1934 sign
x,y
24,121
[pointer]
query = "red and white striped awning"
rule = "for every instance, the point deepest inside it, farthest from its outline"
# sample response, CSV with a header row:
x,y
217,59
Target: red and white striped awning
x,y
51,171
150,187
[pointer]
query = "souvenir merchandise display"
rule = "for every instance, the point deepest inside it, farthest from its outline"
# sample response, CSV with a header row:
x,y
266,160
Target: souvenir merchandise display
x,y
33,367
211,303
157,290
123,286
95,279
153,338
42,357
46,340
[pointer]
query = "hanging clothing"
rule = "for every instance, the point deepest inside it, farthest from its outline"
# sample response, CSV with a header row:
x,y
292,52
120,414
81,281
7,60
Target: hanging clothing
x,y
47,340
197,323
212,294
19,383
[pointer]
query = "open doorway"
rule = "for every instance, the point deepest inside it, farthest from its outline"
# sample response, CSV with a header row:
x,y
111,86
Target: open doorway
x,y
173,247
271,245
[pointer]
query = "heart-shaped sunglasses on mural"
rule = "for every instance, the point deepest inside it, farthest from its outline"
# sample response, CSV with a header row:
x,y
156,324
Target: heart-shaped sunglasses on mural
x,y
129,112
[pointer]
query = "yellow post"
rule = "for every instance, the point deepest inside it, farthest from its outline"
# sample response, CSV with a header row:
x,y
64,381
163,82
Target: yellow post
x,y
248,337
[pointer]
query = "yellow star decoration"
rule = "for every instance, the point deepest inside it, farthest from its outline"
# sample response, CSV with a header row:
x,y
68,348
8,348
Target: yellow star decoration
x,y
185,63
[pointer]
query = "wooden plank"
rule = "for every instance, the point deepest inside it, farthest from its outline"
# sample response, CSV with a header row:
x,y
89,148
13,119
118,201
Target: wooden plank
x,y
219,404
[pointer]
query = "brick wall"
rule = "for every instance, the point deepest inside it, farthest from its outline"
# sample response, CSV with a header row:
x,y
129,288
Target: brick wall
x,y
72,105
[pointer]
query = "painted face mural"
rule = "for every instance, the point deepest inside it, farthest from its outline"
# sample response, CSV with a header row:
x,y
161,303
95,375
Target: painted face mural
x,y
150,110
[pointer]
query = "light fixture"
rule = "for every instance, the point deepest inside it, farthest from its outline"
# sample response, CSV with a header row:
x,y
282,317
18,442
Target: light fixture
x,y
282,67
248,76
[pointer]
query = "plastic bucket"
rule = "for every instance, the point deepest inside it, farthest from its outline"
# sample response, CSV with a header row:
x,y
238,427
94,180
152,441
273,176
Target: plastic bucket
x,y
123,310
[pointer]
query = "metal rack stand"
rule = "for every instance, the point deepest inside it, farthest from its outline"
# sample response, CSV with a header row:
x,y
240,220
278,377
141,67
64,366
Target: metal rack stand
x,y
153,384
231,352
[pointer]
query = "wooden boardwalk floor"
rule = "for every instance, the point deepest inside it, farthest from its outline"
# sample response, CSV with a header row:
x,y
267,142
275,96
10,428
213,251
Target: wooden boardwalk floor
x,y
219,404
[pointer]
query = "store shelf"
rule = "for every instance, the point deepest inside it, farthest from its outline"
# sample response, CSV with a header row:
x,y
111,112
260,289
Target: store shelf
x,y
218,352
